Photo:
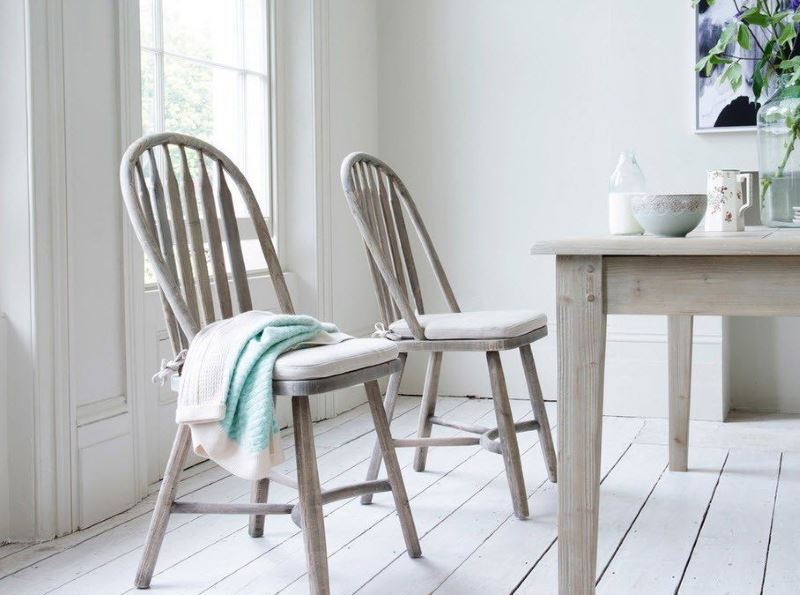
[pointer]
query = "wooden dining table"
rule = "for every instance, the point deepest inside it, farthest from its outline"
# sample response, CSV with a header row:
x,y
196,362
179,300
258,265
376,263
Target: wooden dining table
x,y
751,273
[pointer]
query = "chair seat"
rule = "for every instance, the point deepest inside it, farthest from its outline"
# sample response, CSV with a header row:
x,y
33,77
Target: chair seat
x,y
324,361
489,324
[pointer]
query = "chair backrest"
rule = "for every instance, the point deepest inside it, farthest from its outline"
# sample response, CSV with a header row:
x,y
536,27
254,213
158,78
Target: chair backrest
x,y
377,198
178,224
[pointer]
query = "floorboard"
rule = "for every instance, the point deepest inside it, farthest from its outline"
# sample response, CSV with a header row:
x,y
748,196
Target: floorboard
x,y
653,555
731,524
782,575
227,566
731,550
186,533
623,494
380,545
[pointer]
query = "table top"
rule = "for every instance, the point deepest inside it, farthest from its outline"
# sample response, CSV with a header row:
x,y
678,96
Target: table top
x,y
754,241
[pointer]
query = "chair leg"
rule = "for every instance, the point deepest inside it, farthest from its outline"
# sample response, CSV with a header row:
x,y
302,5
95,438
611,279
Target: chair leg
x,y
428,406
539,412
393,469
310,498
166,496
508,435
388,404
259,492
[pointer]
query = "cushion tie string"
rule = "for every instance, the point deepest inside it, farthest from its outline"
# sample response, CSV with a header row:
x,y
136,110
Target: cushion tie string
x,y
169,368
381,332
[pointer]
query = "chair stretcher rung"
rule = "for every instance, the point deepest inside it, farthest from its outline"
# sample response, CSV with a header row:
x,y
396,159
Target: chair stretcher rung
x,y
356,489
285,480
229,508
471,428
348,491
437,441
490,442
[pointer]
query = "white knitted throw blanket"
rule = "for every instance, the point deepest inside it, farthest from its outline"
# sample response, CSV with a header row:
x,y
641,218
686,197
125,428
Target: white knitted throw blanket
x,y
226,387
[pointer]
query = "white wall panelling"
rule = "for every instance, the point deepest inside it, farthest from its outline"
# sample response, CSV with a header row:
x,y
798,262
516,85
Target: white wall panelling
x,y
15,267
53,429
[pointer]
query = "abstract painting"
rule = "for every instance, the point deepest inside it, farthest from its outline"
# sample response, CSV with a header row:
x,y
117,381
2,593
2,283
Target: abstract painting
x,y
718,107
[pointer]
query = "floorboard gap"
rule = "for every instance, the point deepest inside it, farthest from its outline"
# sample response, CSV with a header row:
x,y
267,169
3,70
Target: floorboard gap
x,y
771,523
630,527
552,543
702,522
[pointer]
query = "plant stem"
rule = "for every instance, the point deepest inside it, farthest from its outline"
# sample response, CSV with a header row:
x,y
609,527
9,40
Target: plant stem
x,y
795,126
789,150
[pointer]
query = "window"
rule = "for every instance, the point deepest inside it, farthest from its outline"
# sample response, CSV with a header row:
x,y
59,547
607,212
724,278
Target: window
x,y
206,71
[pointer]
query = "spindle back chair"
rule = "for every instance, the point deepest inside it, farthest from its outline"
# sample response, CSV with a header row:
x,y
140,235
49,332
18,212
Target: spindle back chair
x,y
379,202
177,224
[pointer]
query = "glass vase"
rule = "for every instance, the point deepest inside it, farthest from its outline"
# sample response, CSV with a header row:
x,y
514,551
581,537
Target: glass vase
x,y
779,157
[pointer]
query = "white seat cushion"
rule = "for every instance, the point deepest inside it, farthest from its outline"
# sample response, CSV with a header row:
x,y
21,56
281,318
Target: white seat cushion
x,y
322,361
490,324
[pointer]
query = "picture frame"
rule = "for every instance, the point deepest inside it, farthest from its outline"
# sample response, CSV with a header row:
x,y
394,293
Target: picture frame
x,y
717,108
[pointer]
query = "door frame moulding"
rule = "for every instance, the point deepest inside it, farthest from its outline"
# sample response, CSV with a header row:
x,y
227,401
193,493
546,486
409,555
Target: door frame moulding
x,y
130,110
55,482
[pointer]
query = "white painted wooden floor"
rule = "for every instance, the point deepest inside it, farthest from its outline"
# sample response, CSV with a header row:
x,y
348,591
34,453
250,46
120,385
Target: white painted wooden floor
x,y
730,525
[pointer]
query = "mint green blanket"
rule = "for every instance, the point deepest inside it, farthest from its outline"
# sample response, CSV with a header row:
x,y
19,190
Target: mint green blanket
x,y
249,413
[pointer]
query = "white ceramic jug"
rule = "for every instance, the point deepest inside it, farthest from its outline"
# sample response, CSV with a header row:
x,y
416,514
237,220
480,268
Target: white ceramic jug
x,y
726,204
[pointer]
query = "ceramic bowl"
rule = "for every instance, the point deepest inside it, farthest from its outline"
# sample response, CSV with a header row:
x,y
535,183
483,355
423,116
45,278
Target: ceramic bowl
x,y
669,215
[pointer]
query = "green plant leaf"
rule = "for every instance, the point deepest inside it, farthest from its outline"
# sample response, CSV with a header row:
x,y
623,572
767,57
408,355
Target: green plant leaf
x,y
743,36
726,36
718,59
701,64
787,35
791,64
778,17
733,75
754,16
758,84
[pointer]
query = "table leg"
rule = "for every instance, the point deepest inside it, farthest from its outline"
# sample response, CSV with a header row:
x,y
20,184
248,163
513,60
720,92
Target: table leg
x,y
679,337
581,362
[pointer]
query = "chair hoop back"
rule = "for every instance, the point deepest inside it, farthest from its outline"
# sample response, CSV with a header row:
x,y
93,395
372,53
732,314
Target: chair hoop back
x,y
178,225
378,199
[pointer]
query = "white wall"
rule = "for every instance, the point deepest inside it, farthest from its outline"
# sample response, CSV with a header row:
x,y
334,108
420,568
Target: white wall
x,y
505,119
353,122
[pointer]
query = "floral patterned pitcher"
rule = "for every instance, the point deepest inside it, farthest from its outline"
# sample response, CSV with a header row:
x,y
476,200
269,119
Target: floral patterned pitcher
x,y
726,205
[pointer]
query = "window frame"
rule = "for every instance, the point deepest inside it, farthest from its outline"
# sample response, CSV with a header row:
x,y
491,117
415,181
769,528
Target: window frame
x,y
158,53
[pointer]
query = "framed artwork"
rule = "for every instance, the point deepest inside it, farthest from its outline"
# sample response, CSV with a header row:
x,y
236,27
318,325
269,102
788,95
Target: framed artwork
x,y
717,107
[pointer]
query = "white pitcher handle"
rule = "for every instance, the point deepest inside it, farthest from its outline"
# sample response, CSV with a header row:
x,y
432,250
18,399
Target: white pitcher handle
x,y
744,180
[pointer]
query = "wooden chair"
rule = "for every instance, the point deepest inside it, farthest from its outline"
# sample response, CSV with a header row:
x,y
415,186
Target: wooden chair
x,y
174,223
378,198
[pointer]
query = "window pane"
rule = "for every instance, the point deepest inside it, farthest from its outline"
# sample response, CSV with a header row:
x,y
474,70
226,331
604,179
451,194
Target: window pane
x,y
146,23
204,73
203,29
253,256
257,141
188,98
148,92
255,35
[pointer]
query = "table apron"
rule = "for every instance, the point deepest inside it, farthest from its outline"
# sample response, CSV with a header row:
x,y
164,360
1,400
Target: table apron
x,y
698,285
